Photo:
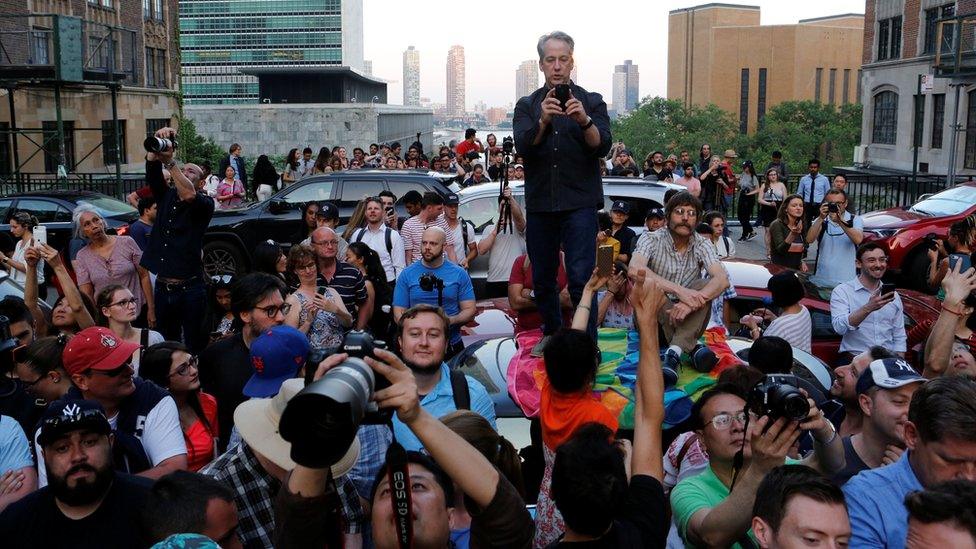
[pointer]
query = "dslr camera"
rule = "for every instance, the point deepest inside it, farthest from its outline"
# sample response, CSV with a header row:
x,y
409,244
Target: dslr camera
x,y
429,282
832,208
508,145
778,395
157,145
329,411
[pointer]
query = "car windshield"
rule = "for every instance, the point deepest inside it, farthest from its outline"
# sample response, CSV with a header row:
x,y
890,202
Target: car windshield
x,y
107,206
949,202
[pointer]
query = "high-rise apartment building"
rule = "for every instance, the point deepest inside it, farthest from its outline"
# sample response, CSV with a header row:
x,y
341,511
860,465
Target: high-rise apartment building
x,y
219,39
626,81
455,82
526,78
411,76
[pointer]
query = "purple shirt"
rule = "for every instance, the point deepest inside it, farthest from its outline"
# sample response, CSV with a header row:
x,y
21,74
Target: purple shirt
x,y
120,268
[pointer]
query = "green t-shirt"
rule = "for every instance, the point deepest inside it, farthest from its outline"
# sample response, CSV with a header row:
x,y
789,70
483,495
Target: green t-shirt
x,y
699,492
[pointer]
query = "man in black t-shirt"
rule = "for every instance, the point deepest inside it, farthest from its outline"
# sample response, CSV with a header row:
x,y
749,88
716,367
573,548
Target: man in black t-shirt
x,y
619,213
86,503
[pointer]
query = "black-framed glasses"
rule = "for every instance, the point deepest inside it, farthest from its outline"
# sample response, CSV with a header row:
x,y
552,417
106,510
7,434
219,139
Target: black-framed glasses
x,y
28,384
125,302
183,369
273,310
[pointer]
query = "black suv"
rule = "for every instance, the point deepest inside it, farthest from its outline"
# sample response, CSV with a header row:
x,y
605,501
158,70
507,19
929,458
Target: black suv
x,y
234,233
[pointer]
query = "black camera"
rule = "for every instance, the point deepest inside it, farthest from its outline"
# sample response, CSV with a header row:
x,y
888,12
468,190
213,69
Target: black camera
x,y
778,395
508,145
832,208
429,282
159,144
329,411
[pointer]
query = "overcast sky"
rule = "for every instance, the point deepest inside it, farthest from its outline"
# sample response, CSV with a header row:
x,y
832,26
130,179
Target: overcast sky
x,y
499,34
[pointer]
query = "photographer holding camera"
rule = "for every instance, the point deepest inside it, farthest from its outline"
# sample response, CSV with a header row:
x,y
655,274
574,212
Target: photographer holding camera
x,y
175,250
563,132
714,508
946,353
837,233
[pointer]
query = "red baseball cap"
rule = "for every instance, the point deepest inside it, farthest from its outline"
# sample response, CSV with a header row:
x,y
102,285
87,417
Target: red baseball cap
x,y
96,348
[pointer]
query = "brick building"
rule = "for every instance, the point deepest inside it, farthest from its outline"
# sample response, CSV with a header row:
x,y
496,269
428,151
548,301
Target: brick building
x,y
136,43
900,45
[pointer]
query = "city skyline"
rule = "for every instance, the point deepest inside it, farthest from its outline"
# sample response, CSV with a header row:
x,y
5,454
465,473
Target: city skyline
x,y
626,86
389,28
526,78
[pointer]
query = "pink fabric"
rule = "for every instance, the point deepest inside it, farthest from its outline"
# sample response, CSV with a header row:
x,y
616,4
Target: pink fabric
x,y
120,268
526,373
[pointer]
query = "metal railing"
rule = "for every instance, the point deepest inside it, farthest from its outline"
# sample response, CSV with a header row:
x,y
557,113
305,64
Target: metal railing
x,y
102,183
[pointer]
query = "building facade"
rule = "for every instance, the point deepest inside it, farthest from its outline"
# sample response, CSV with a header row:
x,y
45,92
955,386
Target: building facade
x,y
411,77
719,53
219,38
900,45
455,82
626,87
135,41
526,78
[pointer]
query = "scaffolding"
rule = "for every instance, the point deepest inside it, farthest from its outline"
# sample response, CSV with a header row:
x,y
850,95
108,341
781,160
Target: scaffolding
x,y
62,53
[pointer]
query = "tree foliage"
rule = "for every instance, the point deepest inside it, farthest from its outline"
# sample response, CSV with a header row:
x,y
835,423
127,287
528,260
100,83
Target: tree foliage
x,y
196,148
799,129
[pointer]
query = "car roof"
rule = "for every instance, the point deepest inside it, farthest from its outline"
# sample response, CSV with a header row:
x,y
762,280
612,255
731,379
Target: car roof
x,y
64,194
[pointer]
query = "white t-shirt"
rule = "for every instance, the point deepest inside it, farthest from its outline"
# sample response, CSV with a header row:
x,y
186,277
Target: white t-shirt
x,y
504,251
21,277
162,436
458,236
377,241
210,187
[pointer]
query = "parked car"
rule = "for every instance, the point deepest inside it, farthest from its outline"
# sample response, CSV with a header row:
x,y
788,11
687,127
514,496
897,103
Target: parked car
x,y
479,206
902,231
9,287
234,233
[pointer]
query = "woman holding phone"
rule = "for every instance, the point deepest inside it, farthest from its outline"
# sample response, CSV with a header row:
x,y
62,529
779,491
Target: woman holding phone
x,y
22,226
786,235
316,311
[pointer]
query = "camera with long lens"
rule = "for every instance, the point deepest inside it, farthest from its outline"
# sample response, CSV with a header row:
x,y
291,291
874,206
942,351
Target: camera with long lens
x,y
429,282
157,145
508,145
778,395
329,411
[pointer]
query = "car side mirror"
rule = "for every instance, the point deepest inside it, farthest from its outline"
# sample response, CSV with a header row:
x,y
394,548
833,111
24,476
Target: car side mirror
x,y
277,206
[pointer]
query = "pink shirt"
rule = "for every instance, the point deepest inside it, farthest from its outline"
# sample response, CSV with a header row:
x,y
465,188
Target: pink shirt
x,y
228,189
120,268
692,183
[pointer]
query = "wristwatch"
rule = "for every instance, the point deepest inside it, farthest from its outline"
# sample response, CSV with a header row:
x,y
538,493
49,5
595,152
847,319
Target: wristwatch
x,y
589,122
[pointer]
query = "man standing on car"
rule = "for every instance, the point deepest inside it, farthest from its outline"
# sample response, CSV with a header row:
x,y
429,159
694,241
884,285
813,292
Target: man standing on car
x,y
175,250
563,145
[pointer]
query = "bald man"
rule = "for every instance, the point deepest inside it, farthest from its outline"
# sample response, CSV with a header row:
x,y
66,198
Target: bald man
x,y
342,277
437,282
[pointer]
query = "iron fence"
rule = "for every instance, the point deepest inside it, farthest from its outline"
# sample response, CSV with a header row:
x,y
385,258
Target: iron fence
x,y
105,184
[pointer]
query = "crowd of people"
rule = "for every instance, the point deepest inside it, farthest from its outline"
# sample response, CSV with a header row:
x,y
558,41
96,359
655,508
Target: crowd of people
x,y
150,405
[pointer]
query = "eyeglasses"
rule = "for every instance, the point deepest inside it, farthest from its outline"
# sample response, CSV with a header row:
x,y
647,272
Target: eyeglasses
x,y
28,384
329,243
723,421
305,267
273,310
183,369
125,303
115,372
680,212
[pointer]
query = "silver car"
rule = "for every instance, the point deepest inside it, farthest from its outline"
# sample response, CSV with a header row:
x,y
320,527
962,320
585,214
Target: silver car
x,y
479,206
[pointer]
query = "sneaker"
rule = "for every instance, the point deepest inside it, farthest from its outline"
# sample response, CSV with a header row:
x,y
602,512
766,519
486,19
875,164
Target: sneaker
x,y
540,347
670,363
751,236
703,359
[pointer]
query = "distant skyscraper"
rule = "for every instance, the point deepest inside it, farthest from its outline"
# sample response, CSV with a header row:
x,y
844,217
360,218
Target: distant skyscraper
x,y
411,77
455,82
526,78
626,81
368,67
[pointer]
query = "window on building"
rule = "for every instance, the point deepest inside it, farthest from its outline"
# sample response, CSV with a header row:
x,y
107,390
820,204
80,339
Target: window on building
x,y
885,118
153,125
884,29
761,100
744,102
895,52
817,82
831,84
40,47
109,155
919,119
845,93
969,161
147,9
161,68
938,119
889,38
6,165
157,10
150,68
932,28
858,97
51,154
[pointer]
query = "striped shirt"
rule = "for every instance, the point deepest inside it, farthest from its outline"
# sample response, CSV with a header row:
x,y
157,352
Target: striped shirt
x,y
412,233
796,329
665,261
349,283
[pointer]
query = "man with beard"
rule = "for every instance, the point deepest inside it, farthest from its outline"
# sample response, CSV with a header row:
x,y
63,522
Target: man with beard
x,y
225,366
437,282
861,314
844,389
385,241
884,391
144,418
675,258
86,503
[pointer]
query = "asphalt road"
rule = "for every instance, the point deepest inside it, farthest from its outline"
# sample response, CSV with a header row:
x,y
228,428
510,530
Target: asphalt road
x,y
756,248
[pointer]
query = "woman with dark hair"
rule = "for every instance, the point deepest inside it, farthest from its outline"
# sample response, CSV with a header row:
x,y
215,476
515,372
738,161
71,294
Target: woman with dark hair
x,y
704,158
264,180
316,311
793,323
308,223
116,309
771,195
72,312
748,189
22,226
291,173
221,318
378,290
322,161
716,228
786,244
268,258
335,164
230,191
171,366
40,369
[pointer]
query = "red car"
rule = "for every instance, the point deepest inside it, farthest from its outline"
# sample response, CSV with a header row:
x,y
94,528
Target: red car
x,y
750,277
903,230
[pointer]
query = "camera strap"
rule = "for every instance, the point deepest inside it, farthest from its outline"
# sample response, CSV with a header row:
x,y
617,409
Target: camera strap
x,y
398,475
739,457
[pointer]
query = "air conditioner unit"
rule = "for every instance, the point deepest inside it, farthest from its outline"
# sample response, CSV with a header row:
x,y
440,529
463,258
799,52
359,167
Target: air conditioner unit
x,y
860,155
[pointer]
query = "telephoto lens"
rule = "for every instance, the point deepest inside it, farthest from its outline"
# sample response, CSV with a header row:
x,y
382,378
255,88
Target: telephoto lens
x,y
159,144
778,395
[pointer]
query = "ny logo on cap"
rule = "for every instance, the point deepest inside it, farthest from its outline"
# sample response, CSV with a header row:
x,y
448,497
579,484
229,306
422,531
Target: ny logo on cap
x,y
904,366
108,341
71,410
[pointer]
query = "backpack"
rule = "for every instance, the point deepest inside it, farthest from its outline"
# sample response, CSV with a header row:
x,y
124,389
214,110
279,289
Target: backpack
x,y
361,232
462,393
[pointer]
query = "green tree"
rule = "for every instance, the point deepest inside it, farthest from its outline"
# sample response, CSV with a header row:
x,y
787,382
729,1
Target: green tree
x,y
196,148
802,130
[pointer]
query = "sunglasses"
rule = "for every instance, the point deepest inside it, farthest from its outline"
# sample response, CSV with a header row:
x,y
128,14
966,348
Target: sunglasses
x,y
115,372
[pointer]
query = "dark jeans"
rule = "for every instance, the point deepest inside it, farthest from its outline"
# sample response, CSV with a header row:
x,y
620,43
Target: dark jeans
x,y
180,309
575,232
745,207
